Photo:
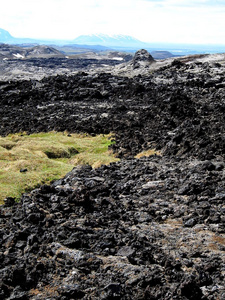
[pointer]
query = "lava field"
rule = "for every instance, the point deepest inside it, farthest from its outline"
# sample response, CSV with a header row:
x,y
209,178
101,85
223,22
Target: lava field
x,y
148,228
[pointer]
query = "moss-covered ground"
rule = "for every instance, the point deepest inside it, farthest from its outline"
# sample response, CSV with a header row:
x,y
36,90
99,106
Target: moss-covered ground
x,y
27,161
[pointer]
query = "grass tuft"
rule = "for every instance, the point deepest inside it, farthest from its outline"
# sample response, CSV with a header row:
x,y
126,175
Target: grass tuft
x,y
148,153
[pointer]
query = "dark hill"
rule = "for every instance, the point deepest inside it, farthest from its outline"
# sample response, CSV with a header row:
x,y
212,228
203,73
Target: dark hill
x,y
161,54
17,52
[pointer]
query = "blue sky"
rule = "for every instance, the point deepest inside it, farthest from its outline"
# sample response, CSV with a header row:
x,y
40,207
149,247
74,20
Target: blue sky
x,y
177,21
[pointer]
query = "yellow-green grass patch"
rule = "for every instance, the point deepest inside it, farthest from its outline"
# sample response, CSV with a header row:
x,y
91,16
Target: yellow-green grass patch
x,y
47,157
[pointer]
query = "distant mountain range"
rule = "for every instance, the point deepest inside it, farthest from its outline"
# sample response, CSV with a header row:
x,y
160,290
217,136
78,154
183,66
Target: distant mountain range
x,y
105,41
102,42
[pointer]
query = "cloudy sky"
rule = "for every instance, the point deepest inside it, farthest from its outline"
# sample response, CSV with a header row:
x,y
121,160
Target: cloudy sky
x,y
177,21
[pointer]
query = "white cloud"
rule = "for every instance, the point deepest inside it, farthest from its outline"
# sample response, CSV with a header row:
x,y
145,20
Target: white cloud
x,y
189,21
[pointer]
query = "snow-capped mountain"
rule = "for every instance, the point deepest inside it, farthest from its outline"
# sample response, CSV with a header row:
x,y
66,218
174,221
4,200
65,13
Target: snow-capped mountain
x,y
109,41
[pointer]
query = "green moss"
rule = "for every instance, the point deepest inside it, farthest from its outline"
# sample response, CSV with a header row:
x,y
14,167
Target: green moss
x,y
46,156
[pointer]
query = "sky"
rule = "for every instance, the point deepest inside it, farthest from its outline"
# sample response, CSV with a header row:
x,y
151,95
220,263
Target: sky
x,y
173,21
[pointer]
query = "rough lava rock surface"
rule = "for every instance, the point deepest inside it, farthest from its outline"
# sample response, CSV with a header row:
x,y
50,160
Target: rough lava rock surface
x,y
142,59
148,228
